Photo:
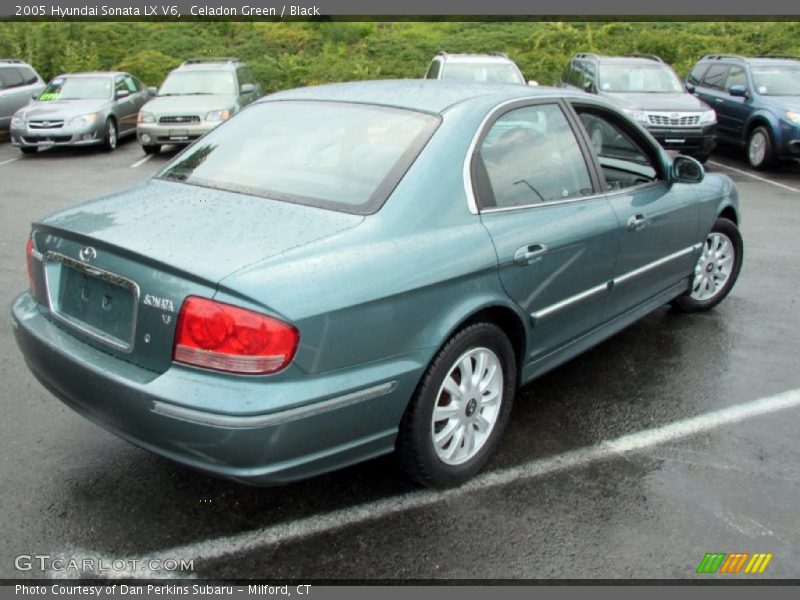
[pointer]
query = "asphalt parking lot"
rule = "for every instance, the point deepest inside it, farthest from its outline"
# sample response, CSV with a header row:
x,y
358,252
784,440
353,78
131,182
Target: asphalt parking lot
x,y
677,437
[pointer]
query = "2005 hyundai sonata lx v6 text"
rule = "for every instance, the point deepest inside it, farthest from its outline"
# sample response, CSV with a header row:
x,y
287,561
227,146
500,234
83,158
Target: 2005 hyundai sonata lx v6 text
x,y
344,271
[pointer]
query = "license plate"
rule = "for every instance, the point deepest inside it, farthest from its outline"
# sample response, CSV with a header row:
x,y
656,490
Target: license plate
x,y
179,135
97,302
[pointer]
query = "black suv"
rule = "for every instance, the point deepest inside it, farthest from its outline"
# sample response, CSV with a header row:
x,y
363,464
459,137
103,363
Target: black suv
x,y
757,102
650,92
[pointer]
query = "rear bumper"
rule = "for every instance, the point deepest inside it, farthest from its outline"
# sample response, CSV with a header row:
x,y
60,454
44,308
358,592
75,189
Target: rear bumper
x,y
694,140
318,423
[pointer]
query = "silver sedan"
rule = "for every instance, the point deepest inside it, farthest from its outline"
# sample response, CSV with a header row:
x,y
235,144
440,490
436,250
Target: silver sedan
x,y
81,109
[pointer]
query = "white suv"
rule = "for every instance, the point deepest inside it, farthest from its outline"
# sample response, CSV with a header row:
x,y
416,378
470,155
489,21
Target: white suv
x,y
494,67
19,83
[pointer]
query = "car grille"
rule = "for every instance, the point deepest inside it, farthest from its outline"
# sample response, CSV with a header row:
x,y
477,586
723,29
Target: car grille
x,y
180,119
45,124
673,119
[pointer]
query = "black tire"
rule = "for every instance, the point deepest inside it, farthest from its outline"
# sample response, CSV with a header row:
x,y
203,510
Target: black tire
x,y
110,135
687,302
29,149
152,149
760,135
415,447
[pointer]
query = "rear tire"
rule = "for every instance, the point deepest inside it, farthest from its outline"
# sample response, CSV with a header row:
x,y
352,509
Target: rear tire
x,y
716,270
460,408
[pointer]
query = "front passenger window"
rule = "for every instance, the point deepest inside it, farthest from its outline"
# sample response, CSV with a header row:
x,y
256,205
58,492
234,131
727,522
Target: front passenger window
x,y
531,156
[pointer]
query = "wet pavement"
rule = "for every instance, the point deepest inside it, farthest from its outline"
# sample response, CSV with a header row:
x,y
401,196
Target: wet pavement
x,y
70,489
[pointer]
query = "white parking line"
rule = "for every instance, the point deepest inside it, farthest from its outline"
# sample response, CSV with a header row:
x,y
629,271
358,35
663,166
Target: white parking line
x,y
10,160
280,533
748,174
139,163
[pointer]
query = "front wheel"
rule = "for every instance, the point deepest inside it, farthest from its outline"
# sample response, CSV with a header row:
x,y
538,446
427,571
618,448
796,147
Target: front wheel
x,y
716,270
151,149
29,149
460,408
760,153
110,136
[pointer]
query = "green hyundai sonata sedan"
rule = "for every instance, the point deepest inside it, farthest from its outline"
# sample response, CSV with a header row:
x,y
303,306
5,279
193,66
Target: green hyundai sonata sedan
x,y
345,271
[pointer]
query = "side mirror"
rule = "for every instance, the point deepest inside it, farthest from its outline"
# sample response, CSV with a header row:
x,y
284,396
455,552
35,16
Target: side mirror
x,y
122,94
690,88
685,169
248,88
533,83
588,87
152,90
738,90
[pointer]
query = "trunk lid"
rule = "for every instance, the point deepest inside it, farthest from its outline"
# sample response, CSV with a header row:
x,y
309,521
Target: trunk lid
x,y
115,271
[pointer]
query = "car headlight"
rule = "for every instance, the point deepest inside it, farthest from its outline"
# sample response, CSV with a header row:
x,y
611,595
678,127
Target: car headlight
x,y
636,115
145,117
218,115
708,117
83,120
794,117
17,121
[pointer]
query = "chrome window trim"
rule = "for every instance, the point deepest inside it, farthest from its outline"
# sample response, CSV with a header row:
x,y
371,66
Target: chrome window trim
x,y
609,285
501,209
272,419
107,276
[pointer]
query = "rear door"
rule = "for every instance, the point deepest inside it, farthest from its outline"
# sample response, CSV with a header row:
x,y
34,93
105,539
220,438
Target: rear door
x,y
658,220
554,234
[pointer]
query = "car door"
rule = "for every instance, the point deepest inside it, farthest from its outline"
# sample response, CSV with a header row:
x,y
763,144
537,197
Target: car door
x,y
12,94
554,233
737,108
712,91
125,104
657,219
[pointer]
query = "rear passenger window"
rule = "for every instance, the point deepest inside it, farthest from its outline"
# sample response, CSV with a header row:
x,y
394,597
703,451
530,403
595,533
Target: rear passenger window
x,y
531,156
696,76
715,77
10,77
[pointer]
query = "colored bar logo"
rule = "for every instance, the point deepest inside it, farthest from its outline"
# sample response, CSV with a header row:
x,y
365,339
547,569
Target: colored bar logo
x,y
734,563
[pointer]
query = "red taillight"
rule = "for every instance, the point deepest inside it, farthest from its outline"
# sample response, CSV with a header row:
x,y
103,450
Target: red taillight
x,y
29,260
226,338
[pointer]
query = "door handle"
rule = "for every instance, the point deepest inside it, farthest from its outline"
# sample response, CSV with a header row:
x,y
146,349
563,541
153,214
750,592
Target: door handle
x,y
527,255
636,222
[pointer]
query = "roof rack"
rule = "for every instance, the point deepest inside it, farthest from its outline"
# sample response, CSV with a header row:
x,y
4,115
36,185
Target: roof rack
x,y
721,56
199,61
12,60
789,56
647,56
587,55
498,54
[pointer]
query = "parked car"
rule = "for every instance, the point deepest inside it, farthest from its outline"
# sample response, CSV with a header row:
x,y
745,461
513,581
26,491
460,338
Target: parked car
x,y
195,98
757,102
19,83
344,271
650,92
494,67
80,109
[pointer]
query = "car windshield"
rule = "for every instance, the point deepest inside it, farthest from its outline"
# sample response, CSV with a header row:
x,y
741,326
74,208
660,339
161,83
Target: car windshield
x,y
198,82
482,73
336,155
630,79
78,88
777,81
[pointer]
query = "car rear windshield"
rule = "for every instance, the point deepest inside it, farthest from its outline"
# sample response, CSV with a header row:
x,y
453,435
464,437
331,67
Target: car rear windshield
x,y
481,73
777,81
638,79
78,88
199,82
336,155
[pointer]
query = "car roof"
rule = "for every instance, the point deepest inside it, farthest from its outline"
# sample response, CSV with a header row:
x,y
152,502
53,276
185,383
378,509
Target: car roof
x,y
422,95
475,58
755,61
623,60
92,74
